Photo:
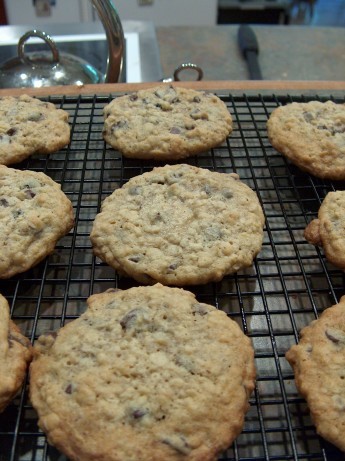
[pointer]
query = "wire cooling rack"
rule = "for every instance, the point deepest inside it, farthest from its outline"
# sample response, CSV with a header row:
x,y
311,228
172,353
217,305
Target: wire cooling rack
x,y
289,284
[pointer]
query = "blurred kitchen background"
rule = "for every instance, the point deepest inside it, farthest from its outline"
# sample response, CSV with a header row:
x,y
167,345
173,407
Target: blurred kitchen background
x,y
180,12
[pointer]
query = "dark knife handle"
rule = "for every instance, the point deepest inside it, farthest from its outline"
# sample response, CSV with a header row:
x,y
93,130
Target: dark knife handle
x,y
250,49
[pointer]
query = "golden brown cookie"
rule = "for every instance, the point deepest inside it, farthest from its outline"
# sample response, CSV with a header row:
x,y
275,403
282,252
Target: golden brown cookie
x,y
328,230
30,126
312,136
166,123
179,225
15,354
148,374
34,215
318,361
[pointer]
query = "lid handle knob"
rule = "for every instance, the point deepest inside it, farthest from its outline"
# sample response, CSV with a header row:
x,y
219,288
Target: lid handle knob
x,y
37,33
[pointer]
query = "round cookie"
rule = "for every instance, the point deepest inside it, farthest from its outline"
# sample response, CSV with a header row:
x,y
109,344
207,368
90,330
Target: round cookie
x,y
179,225
30,126
312,136
166,123
318,361
145,374
15,354
34,215
328,230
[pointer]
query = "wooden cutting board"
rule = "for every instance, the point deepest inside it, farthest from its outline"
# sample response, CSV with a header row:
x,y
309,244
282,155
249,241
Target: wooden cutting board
x,y
250,85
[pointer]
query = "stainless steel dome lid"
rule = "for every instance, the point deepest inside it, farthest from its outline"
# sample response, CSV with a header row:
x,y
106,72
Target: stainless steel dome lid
x,y
45,68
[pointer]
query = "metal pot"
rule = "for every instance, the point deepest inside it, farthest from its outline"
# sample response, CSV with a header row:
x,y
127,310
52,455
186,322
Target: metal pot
x,y
47,68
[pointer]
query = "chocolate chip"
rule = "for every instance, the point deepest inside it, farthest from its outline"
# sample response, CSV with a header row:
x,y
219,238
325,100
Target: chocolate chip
x,y
11,131
69,389
129,319
29,194
339,129
196,99
121,124
4,202
17,213
227,193
335,335
139,413
207,189
133,97
200,309
159,94
173,266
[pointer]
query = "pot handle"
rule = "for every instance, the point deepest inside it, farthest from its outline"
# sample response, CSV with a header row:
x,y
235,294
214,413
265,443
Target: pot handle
x,y
37,33
188,65
182,67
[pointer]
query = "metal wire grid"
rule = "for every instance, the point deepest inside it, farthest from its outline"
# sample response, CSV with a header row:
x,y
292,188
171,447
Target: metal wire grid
x,y
289,284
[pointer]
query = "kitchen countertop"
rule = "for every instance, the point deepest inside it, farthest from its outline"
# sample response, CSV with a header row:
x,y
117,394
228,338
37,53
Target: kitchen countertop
x,y
285,52
294,59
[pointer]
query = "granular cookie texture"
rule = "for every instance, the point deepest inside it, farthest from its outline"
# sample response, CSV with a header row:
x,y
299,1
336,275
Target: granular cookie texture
x,y
34,215
179,225
328,230
15,354
312,136
147,374
30,126
166,123
318,361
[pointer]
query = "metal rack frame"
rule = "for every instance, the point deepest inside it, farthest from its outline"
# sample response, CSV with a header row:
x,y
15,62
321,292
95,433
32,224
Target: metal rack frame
x,y
289,284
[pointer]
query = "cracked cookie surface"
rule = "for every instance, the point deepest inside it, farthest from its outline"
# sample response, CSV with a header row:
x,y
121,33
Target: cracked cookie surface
x,y
15,354
318,361
328,230
312,136
147,374
29,126
34,215
179,225
166,123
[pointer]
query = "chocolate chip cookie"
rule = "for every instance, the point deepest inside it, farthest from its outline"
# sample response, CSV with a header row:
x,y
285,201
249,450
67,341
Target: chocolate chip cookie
x,y
34,215
312,136
166,123
328,230
30,126
318,361
15,354
179,225
147,374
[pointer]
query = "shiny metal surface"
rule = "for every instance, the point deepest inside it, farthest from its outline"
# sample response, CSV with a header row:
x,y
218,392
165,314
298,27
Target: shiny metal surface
x,y
45,68
88,41
37,70
115,37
